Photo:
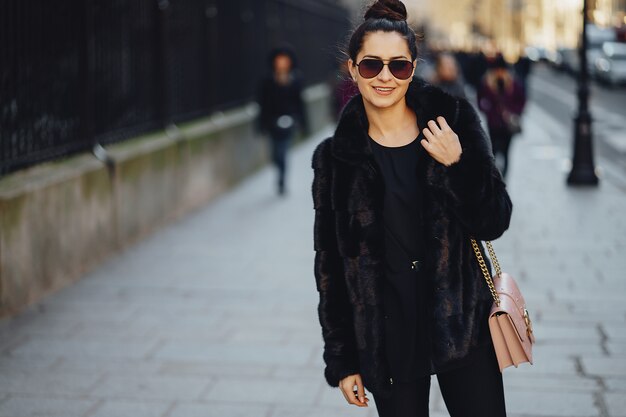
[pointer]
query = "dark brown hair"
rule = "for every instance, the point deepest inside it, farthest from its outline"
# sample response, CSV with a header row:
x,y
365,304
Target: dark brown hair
x,y
385,16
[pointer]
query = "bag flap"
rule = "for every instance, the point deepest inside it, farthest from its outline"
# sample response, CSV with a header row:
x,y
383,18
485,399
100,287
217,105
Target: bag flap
x,y
512,303
506,285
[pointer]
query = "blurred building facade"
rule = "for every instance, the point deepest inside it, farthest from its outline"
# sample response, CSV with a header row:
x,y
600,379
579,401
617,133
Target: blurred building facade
x,y
512,24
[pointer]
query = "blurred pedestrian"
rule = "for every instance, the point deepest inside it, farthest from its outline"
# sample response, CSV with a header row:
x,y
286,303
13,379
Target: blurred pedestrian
x,y
282,108
523,67
399,189
447,75
501,97
345,89
476,68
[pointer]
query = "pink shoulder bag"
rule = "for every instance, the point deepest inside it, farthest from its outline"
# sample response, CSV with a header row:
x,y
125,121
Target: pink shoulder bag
x,y
509,322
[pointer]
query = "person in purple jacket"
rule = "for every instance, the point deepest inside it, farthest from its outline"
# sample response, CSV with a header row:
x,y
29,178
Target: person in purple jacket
x,y
502,99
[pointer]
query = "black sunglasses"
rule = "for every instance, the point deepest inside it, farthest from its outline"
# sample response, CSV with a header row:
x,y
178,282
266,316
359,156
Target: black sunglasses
x,y
399,68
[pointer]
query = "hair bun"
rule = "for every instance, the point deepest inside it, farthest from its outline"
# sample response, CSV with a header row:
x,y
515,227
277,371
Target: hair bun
x,y
387,9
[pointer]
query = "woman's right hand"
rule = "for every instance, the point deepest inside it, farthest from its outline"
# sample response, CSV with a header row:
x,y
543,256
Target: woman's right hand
x,y
347,388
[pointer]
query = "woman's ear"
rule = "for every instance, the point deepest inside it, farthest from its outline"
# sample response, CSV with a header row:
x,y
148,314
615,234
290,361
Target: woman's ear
x,y
352,69
414,69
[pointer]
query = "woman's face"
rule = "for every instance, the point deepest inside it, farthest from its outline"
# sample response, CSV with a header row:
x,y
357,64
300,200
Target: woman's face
x,y
447,69
384,90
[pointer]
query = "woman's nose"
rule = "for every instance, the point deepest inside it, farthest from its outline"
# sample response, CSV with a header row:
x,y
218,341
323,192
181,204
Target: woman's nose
x,y
385,74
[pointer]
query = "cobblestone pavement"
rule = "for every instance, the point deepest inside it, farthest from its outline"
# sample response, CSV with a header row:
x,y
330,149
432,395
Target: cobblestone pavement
x,y
215,315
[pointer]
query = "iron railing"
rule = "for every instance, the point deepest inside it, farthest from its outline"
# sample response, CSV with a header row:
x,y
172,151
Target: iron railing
x,y
76,73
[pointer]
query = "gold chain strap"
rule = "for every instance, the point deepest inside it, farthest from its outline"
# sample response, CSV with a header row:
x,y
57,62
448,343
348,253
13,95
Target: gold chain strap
x,y
494,258
483,267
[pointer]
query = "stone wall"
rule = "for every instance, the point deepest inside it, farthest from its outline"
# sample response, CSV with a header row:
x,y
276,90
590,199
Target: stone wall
x,y
61,219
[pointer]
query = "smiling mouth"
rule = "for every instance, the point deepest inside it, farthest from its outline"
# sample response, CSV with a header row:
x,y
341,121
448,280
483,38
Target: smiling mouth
x,y
384,89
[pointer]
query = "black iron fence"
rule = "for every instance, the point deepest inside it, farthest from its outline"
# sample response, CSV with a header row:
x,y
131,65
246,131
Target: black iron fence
x,y
74,73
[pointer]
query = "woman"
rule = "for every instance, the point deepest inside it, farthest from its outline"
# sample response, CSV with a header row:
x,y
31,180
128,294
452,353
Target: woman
x,y
282,108
399,190
501,97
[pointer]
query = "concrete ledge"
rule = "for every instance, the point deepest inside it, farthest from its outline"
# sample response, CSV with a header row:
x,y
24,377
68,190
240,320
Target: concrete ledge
x,y
60,219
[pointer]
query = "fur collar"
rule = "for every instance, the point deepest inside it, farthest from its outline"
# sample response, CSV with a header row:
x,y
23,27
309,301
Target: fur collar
x,y
350,142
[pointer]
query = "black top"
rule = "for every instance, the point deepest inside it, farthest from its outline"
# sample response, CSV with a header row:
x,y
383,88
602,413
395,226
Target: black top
x,y
407,341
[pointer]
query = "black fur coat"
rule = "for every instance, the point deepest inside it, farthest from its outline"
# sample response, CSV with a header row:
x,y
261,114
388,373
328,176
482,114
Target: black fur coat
x,y
466,199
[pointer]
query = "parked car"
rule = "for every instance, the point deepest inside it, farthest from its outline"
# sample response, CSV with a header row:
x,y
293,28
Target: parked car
x,y
610,66
568,59
596,37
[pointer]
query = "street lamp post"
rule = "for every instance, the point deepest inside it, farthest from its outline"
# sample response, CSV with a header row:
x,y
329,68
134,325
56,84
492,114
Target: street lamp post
x,y
583,170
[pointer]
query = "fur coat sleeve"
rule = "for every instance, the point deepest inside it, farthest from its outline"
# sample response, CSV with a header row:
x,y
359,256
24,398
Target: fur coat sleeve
x,y
473,186
334,309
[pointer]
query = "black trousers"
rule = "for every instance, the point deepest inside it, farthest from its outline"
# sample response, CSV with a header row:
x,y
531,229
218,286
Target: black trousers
x,y
475,390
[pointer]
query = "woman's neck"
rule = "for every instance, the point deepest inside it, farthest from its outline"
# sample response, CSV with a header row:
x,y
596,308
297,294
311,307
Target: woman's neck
x,y
392,126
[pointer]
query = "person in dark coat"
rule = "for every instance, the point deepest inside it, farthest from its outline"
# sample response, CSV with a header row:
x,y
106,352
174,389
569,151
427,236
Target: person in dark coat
x,y
502,99
476,68
399,190
523,67
282,108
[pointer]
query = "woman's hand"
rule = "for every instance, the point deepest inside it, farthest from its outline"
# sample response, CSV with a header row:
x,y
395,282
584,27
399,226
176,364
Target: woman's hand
x,y
347,388
441,142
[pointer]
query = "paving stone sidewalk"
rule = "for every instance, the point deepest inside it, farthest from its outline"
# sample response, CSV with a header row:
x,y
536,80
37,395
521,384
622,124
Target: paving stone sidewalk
x,y
215,315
